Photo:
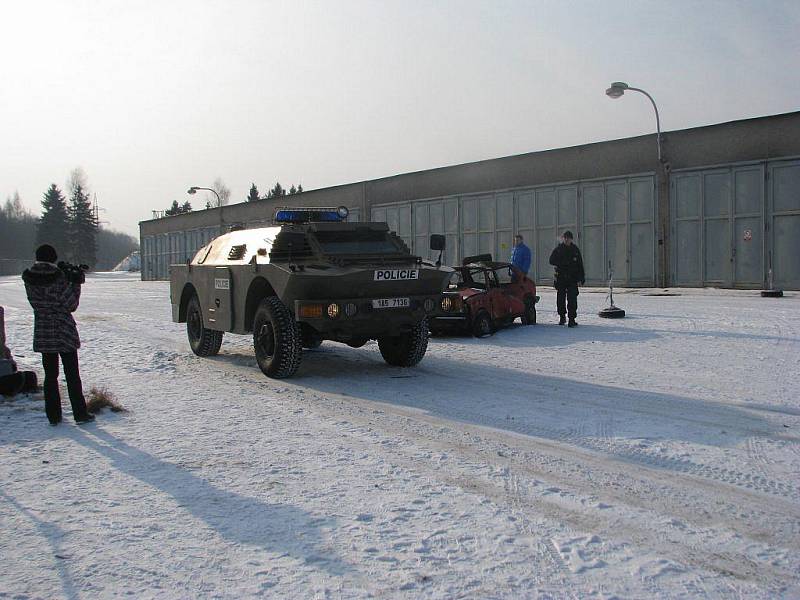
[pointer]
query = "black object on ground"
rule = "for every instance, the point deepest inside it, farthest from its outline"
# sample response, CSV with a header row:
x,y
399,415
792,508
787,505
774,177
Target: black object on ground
x,y
612,312
771,292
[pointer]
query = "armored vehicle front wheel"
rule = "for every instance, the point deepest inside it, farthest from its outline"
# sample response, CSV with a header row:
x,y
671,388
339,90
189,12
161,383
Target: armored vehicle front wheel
x,y
406,349
203,341
276,339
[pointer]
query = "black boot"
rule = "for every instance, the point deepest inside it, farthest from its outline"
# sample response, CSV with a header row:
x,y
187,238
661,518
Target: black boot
x,y
87,418
572,322
562,320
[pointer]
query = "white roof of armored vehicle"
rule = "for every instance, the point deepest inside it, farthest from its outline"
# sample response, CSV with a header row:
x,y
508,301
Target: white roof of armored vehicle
x,y
238,247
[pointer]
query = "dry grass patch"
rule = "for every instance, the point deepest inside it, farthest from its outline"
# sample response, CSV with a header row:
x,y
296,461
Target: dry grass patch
x,y
100,398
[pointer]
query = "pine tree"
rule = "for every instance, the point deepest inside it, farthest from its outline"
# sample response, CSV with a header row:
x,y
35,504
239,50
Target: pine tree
x,y
83,228
186,207
277,191
175,209
53,226
292,190
299,189
253,195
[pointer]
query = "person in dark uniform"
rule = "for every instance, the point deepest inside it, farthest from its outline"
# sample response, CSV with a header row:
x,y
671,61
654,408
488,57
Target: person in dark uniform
x,y
568,263
54,298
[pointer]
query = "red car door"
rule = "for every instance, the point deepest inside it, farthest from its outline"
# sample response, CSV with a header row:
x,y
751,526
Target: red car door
x,y
498,300
515,290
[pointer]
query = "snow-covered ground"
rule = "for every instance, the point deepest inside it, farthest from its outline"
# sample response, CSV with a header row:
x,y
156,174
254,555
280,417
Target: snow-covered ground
x,y
655,456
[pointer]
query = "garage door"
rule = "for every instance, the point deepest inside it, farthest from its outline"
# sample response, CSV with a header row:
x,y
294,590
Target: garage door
x,y
398,217
784,220
718,227
618,230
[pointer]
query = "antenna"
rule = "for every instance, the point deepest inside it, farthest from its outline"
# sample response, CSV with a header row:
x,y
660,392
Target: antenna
x,y
611,311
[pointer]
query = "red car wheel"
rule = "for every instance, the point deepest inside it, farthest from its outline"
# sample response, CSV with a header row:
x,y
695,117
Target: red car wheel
x,y
482,326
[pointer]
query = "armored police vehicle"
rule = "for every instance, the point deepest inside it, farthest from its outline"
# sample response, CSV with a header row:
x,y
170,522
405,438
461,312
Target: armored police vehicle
x,y
309,278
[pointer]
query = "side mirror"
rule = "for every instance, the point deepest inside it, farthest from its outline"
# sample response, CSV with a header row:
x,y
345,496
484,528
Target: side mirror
x,y
437,242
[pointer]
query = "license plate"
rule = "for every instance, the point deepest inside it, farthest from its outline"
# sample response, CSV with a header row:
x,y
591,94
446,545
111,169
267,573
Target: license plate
x,y
390,303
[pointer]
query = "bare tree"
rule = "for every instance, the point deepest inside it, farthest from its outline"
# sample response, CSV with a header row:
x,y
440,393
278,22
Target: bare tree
x,y
222,190
14,208
78,178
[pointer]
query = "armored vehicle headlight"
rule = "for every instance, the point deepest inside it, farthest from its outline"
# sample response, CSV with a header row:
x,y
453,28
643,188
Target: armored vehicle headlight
x,y
350,309
430,304
333,310
447,304
311,311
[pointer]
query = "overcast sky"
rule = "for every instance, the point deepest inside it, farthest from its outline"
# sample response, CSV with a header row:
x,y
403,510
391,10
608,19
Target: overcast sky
x,y
150,98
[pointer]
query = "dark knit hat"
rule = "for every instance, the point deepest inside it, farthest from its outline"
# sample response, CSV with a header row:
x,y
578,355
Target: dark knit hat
x,y
46,253
567,234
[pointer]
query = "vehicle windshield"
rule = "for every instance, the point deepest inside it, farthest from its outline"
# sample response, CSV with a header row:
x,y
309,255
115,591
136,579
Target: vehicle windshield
x,y
468,277
503,275
357,242
456,280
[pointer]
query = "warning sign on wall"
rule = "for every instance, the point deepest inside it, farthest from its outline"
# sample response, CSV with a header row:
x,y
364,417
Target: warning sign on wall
x,y
748,235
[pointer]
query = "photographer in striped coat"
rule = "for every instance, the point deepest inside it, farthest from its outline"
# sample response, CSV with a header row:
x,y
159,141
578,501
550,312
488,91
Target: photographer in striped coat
x,y
54,297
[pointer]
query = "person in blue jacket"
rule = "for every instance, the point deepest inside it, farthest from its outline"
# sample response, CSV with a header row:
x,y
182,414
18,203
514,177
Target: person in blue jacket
x,y
521,255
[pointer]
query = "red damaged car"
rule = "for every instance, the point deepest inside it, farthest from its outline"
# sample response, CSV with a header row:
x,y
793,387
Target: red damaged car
x,y
482,296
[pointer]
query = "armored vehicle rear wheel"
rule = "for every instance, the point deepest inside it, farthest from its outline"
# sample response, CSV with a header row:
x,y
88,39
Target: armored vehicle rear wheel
x,y
276,339
203,341
406,349
529,316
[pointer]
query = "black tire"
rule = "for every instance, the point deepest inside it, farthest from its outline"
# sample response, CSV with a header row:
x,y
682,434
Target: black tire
x,y
529,316
203,341
406,349
482,326
309,338
276,339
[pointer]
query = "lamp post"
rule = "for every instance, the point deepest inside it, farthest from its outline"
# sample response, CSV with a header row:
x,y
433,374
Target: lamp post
x,y
618,88
193,190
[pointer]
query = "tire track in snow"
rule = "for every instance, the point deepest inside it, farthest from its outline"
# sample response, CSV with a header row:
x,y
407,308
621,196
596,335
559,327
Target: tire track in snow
x,y
640,455
757,455
643,534
545,549
606,446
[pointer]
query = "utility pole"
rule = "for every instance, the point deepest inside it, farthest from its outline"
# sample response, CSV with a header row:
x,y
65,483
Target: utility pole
x,y
97,209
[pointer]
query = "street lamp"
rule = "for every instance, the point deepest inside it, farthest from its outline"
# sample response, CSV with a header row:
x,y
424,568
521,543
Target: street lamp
x,y
618,88
193,190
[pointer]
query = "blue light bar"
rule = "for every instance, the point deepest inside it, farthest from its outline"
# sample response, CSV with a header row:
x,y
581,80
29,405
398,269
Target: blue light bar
x,y
308,215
